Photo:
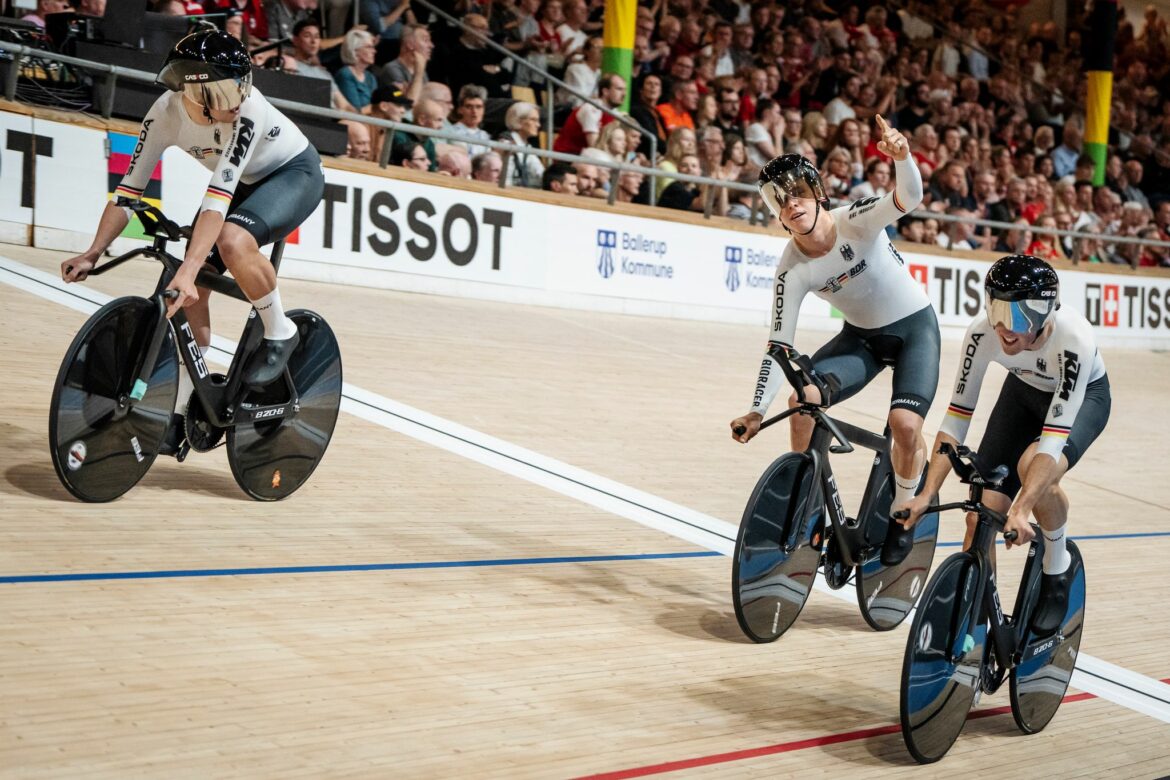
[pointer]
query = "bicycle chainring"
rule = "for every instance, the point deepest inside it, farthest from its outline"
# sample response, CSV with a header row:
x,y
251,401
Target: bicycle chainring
x,y
202,434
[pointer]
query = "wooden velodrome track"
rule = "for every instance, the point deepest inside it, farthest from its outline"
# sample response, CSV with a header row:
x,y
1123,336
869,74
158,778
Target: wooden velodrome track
x,y
454,613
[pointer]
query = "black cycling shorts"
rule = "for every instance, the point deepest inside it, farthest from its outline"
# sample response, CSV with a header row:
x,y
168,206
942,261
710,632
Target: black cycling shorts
x,y
1018,417
910,345
278,204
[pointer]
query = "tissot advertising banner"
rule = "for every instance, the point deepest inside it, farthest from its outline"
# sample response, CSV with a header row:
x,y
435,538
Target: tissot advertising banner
x,y
371,230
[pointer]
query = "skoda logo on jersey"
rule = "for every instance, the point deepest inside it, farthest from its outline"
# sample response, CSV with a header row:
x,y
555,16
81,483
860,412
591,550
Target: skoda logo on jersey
x,y
733,256
606,244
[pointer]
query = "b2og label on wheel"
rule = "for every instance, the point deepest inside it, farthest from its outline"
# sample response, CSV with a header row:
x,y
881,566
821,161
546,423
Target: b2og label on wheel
x,y
76,457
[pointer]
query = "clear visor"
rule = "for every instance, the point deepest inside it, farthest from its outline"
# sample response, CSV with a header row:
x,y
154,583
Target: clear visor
x,y
1024,316
222,95
787,185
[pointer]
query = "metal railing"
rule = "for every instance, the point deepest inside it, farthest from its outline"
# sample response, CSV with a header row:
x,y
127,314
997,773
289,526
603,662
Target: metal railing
x,y
114,72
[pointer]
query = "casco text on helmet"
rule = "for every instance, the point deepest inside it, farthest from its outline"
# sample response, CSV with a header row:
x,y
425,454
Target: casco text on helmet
x,y
210,68
1021,293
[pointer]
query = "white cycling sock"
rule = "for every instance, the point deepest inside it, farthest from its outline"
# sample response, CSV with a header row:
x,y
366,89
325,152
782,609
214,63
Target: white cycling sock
x,y
1056,557
186,386
276,325
905,488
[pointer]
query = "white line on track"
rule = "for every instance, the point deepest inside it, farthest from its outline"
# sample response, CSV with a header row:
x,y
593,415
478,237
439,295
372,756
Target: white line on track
x,y
1092,675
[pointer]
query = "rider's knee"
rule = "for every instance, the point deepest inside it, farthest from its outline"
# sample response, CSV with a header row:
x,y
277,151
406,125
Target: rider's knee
x,y
905,427
235,244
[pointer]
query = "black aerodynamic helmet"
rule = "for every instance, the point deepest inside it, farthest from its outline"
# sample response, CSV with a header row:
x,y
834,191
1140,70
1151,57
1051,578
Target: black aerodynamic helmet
x,y
1022,292
211,68
791,175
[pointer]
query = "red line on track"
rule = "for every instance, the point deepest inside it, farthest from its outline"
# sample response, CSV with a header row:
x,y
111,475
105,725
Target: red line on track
x,y
789,747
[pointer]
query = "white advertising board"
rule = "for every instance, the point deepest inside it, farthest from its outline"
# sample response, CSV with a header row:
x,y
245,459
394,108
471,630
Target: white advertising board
x,y
379,231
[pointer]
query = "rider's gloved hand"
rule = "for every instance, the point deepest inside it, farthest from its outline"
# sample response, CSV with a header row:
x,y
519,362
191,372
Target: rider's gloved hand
x,y
749,424
917,507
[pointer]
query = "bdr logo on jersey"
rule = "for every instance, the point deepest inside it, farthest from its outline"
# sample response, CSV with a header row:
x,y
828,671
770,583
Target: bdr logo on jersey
x,y
633,252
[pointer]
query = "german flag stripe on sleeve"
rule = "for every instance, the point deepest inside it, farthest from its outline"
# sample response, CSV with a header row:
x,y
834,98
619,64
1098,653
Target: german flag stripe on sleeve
x,y
129,192
1054,430
960,411
223,195
898,203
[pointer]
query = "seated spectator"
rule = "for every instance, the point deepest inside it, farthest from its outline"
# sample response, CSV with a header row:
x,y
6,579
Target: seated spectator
x,y
582,75
680,194
765,137
355,80
559,177
43,9
523,123
679,112
487,166
357,146
630,188
585,123
711,146
910,229
603,167
251,14
612,140
427,113
682,142
1015,241
727,111
734,155
740,201
282,16
1152,256
472,99
454,162
408,71
876,184
386,103
306,45
836,174
469,60
815,131
949,186
1064,157
572,30
441,95
587,180
1045,245
383,18
642,111
410,154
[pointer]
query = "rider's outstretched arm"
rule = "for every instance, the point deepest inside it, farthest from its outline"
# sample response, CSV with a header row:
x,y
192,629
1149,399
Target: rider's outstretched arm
x,y
111,225
789,289
936,474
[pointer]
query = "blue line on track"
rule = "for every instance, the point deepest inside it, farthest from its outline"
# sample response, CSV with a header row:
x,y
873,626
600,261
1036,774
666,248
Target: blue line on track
x,y
149,575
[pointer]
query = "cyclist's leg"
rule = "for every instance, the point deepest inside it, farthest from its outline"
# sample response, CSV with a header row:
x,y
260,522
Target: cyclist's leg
x,y
1051,507
1015,422
845,358
274,208
915,383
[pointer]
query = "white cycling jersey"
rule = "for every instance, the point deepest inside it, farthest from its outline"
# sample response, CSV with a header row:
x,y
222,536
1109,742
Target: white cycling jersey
x,y
862,276
259,141
1064,365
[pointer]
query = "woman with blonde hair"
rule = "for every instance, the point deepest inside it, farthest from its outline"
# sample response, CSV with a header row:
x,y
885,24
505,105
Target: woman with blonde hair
x,y
815,130
682,141
612,139
707,111
355,80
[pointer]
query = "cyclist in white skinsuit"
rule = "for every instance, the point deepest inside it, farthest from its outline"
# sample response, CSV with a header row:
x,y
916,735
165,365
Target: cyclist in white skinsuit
x,y
266,180
1052,406
845,257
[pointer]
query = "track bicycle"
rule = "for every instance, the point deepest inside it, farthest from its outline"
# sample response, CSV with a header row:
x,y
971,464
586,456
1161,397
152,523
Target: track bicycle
x,y
794,525
115,391
961,644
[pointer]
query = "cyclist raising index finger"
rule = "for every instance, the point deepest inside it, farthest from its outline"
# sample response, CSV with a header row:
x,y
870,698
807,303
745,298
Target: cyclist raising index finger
x,y
844,256
266,179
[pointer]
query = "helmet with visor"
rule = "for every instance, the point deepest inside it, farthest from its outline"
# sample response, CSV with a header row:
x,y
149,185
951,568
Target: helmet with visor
x,y
211,68
791,176
1022,292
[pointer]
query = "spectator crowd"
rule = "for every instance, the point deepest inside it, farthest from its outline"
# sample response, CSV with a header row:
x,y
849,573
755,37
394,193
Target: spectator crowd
x,y
994,107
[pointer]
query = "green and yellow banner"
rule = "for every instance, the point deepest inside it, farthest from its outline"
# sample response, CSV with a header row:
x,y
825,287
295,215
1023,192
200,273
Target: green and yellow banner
x,y
617,56
1099,71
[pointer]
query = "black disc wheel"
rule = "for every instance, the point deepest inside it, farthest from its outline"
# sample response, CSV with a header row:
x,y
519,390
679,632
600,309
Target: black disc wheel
x,y
101,440
271,459
1040,680
944,655
778,548
886,594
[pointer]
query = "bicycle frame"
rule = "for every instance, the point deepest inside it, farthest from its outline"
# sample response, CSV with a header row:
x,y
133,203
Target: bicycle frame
x,y
851,535
217,400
